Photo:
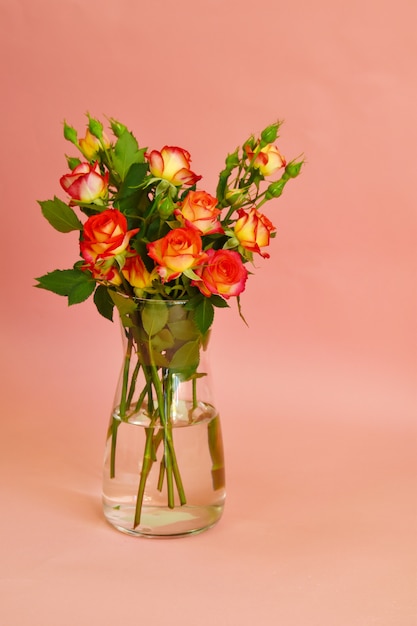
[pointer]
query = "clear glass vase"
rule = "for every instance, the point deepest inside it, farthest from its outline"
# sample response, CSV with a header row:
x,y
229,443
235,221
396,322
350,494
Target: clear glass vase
x,y
164,467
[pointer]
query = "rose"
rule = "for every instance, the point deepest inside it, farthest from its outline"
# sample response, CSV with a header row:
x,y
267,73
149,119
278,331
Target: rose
x,y
85,183
90,144
135,272
199,211
177,252
268,160
252,230
172,164
222,274
237,197
105,235
102,271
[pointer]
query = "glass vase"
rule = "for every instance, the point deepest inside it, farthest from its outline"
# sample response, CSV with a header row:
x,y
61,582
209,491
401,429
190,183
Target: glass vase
x,y
163,467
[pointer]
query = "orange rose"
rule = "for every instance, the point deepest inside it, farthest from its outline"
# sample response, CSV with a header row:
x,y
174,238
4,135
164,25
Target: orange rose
x,y
222,274
172,164
199,211
136,273
105,235
252,230
85,183
177,252
268,160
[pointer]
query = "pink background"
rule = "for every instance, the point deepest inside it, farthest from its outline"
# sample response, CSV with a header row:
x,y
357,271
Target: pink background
x,y
318,396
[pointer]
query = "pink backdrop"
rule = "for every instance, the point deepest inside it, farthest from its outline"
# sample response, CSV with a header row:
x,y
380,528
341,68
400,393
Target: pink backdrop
x,y
318,396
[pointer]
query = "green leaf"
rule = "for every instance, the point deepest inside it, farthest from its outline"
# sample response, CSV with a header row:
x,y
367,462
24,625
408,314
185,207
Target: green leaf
x,y
75,284
184,330
232,160
162,340
126,152
81,291
154,318
222,185
186,357
219,302
125,306
131,198
104,302
204,315
60,215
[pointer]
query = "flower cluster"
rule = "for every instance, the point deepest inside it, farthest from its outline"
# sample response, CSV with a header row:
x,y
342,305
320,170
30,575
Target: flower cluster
x,y
150,233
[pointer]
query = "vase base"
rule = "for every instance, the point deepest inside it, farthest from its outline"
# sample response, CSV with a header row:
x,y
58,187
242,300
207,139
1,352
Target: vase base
x,y
162,522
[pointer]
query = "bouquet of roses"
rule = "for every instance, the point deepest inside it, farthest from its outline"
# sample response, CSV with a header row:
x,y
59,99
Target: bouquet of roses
x,y
150,235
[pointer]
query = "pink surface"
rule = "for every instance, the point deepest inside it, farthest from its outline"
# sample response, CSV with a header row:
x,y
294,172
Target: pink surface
x,y
318,396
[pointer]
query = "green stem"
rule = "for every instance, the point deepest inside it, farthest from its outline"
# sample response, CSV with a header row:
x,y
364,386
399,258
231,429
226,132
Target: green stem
x,y
170,456
146,468
122,408
146,390
114,426
161,475
194,393
133,383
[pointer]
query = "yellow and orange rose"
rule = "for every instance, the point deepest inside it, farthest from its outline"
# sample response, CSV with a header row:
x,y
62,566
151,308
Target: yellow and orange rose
x,y
172,164
268,160
180,250
253,230
90,144
135,272
199,211
105,272
105,235
222,274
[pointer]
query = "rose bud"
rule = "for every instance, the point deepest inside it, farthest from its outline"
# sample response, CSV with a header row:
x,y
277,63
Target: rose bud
x,y
85,183
103,272
91,145
135,272
268,160
172,164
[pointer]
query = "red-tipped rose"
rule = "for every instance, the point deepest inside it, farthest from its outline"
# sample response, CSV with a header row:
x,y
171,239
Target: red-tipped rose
x,y
268,160
105,235
172,164
253,229
178,251
199,211
222,274
85,183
